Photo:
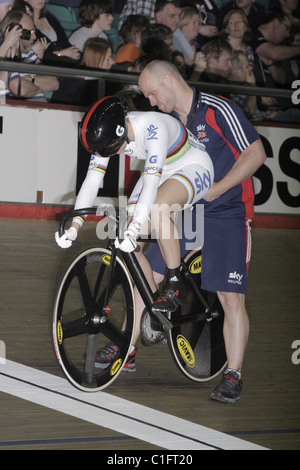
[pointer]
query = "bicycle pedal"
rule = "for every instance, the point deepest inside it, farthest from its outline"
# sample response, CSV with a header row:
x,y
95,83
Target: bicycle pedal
x,y
151,330
165,322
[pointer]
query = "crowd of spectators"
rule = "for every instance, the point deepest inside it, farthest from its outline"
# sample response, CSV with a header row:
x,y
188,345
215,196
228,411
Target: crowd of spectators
x,y
242,43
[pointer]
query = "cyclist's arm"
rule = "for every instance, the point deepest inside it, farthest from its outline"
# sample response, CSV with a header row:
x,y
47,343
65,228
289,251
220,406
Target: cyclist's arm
x,y
89,188
157,148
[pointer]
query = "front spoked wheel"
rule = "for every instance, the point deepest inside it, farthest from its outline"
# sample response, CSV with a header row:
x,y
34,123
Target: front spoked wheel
x,y
196,340
88,318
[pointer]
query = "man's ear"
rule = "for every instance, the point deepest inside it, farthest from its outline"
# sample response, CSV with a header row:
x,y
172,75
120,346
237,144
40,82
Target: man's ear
x,y
169,80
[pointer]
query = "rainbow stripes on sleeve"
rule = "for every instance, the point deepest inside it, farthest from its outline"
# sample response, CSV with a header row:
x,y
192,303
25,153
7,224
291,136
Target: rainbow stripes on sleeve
x,y
180,146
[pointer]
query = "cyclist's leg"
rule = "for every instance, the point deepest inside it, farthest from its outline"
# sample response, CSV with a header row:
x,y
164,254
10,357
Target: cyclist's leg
x,y
140,306
179,191
172,195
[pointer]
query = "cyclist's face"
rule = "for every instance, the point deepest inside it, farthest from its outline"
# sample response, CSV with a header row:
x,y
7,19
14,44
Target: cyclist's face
x,y
122,148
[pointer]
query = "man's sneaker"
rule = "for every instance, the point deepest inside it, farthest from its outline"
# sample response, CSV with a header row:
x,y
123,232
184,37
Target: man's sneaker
x,y
229,390
106,356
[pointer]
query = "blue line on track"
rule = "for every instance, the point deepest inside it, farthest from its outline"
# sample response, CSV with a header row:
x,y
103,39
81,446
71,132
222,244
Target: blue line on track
x,y
66,440
129,438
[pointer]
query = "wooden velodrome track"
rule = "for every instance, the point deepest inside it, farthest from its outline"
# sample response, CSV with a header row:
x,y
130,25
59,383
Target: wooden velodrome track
x,y
31,417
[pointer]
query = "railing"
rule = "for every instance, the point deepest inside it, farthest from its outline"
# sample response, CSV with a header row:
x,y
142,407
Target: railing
x,y
131,78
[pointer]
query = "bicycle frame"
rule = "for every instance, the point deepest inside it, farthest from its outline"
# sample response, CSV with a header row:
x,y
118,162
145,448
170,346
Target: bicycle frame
x,y
83,324
139,278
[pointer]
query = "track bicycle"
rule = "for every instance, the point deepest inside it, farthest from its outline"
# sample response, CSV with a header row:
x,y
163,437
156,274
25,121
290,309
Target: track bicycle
x,y
94,308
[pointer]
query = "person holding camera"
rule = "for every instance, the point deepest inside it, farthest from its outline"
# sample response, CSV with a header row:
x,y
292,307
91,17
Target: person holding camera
x,y
25,49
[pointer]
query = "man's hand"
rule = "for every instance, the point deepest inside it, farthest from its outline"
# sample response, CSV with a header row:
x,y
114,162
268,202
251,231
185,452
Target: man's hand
x,y
212,193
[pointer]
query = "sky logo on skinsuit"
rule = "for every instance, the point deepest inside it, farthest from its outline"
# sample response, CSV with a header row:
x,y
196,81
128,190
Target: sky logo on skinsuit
x,y
152,130
203,182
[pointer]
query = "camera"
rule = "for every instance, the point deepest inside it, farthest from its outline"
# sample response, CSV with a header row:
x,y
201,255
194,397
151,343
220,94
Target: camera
x,y
26,33
12,25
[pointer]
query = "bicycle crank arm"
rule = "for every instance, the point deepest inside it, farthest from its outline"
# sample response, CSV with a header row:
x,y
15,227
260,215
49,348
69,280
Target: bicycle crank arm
x,y
191,318
163,320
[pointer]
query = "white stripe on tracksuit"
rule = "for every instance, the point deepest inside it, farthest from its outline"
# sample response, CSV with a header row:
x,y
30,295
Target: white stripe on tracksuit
x,y
230,117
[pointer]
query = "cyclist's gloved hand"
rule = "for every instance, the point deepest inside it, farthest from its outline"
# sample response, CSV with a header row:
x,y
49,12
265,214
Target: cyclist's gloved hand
x,y
65,241
129,243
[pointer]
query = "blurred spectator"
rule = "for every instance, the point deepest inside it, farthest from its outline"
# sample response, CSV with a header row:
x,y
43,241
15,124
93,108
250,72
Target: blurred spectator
x,y
137,7
9,37
267,42
167,12
241,74
60,50
130,33
97,54
179,62
218,54
5,7
96,17
23,6
157,31
184,41
186,33
270,51
23,85
237,32
208,29
292,66
156,43
157,49
289,7
254,11
208,9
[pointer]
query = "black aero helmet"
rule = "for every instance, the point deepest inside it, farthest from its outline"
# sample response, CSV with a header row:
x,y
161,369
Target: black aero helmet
x,y
103,128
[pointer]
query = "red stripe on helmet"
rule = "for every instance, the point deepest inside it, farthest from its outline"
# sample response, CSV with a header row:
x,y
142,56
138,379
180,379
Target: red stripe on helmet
x,y
86,121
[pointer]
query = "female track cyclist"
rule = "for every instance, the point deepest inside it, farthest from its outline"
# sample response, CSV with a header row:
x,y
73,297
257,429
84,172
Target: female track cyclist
x,y
177,173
